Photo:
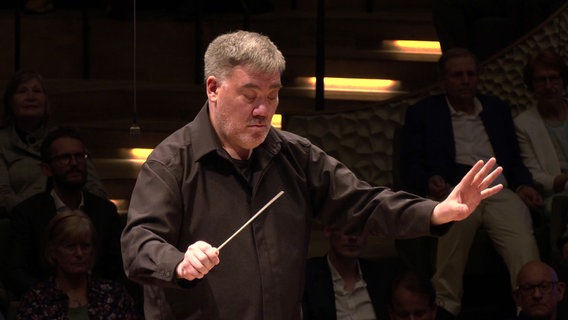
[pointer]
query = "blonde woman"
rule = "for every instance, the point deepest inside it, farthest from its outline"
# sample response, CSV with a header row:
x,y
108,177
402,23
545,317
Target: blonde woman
x,y
69,252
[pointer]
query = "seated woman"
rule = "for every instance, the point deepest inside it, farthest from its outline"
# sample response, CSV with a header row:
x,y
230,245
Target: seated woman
x,y
541,129
69,252
23,128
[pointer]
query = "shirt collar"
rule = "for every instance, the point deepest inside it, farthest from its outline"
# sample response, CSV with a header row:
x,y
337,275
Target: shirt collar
x,y
204,139
335,276
478,108
60,206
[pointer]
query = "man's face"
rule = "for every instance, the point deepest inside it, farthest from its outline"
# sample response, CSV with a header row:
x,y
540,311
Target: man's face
x,y
459,78
538,294
408,305
345,245
241,108
547,83
67,166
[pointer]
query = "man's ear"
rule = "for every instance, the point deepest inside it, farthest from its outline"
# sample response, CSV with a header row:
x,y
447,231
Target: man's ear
x,y
212,85
45,169
561,286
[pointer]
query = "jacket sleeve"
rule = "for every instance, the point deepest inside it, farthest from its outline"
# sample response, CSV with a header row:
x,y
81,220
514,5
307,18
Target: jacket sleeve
x,y
347,201
8,197
148,255
529,152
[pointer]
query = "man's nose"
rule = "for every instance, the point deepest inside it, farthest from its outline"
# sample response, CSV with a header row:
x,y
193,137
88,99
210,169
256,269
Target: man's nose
x,y
261,108
73,159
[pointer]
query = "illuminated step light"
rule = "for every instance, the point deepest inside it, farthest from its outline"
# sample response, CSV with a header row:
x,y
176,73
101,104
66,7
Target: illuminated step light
x,y
140,153
277,121
413,46
121,205
352,84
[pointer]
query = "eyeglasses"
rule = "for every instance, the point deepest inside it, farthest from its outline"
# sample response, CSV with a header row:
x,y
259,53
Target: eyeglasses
x,y
544,287
65,158
553,79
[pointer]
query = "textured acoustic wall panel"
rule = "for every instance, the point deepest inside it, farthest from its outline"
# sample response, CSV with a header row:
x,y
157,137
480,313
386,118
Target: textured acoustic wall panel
x,y
363,138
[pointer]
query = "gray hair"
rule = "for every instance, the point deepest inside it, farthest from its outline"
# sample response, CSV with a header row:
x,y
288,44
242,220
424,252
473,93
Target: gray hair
x,y
242,48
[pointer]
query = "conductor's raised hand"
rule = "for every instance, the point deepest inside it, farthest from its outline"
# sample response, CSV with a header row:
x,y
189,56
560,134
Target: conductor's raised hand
x,y
467,195
199,258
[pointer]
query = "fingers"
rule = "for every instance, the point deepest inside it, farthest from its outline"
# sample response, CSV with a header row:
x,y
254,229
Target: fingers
x,y
486,193
472,174
484,172
487,180
199,258
481,175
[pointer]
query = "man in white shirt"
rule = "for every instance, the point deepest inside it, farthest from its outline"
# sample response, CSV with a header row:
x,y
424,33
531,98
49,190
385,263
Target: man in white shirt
x,y
442,135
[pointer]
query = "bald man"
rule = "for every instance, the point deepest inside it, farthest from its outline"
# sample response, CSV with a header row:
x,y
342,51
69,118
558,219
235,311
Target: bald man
x,y
538,291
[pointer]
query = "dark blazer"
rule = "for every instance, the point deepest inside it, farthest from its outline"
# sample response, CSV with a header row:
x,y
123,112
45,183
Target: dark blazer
x,y
319,297
428,143
29,219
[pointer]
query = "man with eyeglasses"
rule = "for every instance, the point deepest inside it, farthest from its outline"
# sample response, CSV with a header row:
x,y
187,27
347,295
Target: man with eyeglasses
x,y
541,130
542,134
64,162
538,292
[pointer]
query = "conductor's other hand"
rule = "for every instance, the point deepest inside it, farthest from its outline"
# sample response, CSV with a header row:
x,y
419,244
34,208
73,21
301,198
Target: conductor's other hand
x,y
199,258
467,195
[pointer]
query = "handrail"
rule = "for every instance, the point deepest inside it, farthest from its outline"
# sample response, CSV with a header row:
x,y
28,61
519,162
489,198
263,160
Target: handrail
x,y
17,35
320,56
86,43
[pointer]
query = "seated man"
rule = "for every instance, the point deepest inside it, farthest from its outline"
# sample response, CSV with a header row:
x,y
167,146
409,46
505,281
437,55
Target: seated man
x,y
442,136
538,292
340,285
412,296
63,157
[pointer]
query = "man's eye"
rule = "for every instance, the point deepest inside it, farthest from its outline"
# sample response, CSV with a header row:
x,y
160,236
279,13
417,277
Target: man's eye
x,y
250,97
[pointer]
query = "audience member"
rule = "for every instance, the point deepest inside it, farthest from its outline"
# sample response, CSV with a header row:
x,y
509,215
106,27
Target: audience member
x,y
541,130
412,297
69,248
341,285
205,180
538,292
25,124
442,136
64,158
